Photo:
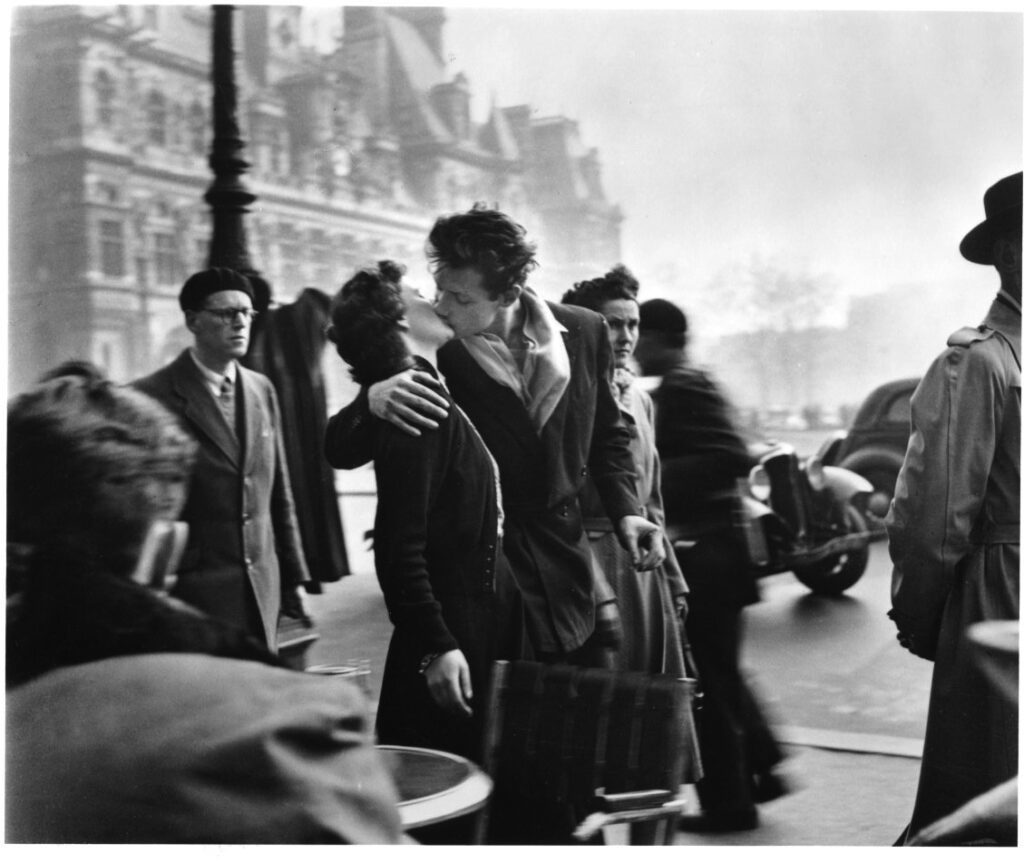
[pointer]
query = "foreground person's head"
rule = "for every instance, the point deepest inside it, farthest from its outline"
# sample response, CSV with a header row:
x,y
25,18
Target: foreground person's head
x,y
378,324
91,467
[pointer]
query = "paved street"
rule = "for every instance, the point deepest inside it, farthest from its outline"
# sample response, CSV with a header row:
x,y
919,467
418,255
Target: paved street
x,y
833,663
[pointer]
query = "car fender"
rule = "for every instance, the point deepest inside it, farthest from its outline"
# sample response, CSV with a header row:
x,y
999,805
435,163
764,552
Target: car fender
x,y
872,458
829,449
844,484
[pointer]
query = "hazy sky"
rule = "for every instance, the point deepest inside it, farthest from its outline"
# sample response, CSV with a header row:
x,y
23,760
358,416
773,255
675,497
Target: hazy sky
x,y
852,144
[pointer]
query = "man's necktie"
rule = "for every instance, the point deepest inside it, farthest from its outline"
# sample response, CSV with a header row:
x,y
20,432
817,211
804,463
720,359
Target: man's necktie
x,y
226,400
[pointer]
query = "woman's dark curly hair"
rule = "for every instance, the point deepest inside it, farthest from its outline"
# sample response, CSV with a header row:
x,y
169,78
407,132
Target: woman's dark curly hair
x,y
365,318
617,284
487,240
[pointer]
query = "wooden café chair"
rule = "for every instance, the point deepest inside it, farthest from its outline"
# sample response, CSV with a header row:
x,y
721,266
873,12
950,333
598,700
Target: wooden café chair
x,y
573,751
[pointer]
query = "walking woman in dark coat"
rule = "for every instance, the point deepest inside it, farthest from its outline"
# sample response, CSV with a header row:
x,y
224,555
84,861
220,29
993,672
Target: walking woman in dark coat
x,y
437,530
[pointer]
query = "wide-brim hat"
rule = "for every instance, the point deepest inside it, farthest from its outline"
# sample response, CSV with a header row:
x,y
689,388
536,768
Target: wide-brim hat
x,y
1002,212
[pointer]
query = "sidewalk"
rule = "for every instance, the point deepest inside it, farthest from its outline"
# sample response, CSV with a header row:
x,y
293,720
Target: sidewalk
x,y
840,797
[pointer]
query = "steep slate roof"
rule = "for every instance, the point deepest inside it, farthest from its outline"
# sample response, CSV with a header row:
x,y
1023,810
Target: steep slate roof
x,y
496,136
559,152
422,73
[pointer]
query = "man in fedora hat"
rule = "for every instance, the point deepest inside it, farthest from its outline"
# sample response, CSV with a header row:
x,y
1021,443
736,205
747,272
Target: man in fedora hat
x,y
243,561
954,525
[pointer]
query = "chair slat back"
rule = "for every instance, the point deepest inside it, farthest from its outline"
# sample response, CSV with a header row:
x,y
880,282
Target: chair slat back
x,y
557,733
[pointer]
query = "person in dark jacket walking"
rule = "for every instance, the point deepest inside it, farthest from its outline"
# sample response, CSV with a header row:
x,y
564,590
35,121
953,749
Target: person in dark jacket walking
x,y
702,456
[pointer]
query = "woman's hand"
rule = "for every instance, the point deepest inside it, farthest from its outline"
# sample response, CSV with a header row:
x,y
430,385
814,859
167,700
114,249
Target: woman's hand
x,y
448,682
409,400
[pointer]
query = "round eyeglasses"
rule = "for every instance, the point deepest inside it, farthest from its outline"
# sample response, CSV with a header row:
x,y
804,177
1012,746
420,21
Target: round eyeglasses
x,y
227,316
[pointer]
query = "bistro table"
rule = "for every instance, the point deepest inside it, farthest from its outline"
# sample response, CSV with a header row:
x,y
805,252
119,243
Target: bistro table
x,y
435,786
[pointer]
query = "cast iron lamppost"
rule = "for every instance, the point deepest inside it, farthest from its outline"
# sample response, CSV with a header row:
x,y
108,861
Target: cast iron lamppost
x,y
228,196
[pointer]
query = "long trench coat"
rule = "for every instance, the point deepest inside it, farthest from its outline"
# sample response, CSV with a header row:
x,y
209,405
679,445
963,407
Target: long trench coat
x,y
954,540
651,630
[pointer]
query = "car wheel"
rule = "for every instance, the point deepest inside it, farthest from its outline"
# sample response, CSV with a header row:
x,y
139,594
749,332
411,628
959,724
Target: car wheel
x,y
838,573
883,478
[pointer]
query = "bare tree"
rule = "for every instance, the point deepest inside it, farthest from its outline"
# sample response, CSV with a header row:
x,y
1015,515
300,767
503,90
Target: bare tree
x,y
772,303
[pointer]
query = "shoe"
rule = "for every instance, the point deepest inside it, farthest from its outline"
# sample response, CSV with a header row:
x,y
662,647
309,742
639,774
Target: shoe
x,y
769,786
718,822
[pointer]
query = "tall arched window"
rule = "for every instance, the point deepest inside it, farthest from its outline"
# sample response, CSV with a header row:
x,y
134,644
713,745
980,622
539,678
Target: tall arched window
x,y
197,121
156,118
105,92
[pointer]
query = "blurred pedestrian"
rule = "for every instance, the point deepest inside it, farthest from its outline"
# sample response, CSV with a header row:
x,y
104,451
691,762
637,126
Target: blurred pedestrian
x,y
535,380
651,603
437,532
954,526
702,457
288,347
132,717
244,560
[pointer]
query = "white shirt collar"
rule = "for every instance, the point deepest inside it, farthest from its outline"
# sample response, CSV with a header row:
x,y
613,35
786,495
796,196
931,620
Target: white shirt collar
x,y
214,378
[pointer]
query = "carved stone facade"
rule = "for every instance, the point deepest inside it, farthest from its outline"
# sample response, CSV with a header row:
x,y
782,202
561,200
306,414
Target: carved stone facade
x,y
354,150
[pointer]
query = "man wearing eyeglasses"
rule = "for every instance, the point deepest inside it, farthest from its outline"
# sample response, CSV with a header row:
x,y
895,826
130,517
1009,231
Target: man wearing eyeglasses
x,y
243,561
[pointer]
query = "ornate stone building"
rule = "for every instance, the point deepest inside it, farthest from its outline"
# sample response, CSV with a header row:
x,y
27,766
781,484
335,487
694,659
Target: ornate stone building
x,y
355,147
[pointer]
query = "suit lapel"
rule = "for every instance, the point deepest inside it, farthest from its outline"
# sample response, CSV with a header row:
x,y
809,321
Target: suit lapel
x,y
201,410
252,416
554,428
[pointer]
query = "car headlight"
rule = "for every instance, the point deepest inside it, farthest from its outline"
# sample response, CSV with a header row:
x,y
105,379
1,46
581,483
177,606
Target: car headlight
x,y
760,484
815,473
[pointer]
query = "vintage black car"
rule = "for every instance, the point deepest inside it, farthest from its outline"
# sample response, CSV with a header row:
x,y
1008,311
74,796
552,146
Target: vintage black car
x,y
800,515
876,441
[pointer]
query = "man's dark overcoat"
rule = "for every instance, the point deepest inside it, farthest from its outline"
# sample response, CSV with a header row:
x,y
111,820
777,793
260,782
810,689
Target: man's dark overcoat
x,y
542,475
243,542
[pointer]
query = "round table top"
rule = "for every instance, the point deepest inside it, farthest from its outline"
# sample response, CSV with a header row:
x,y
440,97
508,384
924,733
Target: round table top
x,y
434,786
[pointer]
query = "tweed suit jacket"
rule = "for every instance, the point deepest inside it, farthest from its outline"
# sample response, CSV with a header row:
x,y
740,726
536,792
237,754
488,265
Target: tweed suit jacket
x,y
243,530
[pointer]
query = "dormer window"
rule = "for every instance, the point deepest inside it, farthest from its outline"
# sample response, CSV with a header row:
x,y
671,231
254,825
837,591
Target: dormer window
x,y
105,92
156,119
197,129
285,36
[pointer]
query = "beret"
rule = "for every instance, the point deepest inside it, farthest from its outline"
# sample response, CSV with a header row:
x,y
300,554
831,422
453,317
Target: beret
x,y
200,285
662,316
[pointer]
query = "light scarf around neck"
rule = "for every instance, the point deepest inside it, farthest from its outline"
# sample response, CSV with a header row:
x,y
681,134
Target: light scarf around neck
x,y
546,371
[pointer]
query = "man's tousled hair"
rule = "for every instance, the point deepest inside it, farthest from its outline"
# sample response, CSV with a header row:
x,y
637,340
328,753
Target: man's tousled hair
x,y
487,240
